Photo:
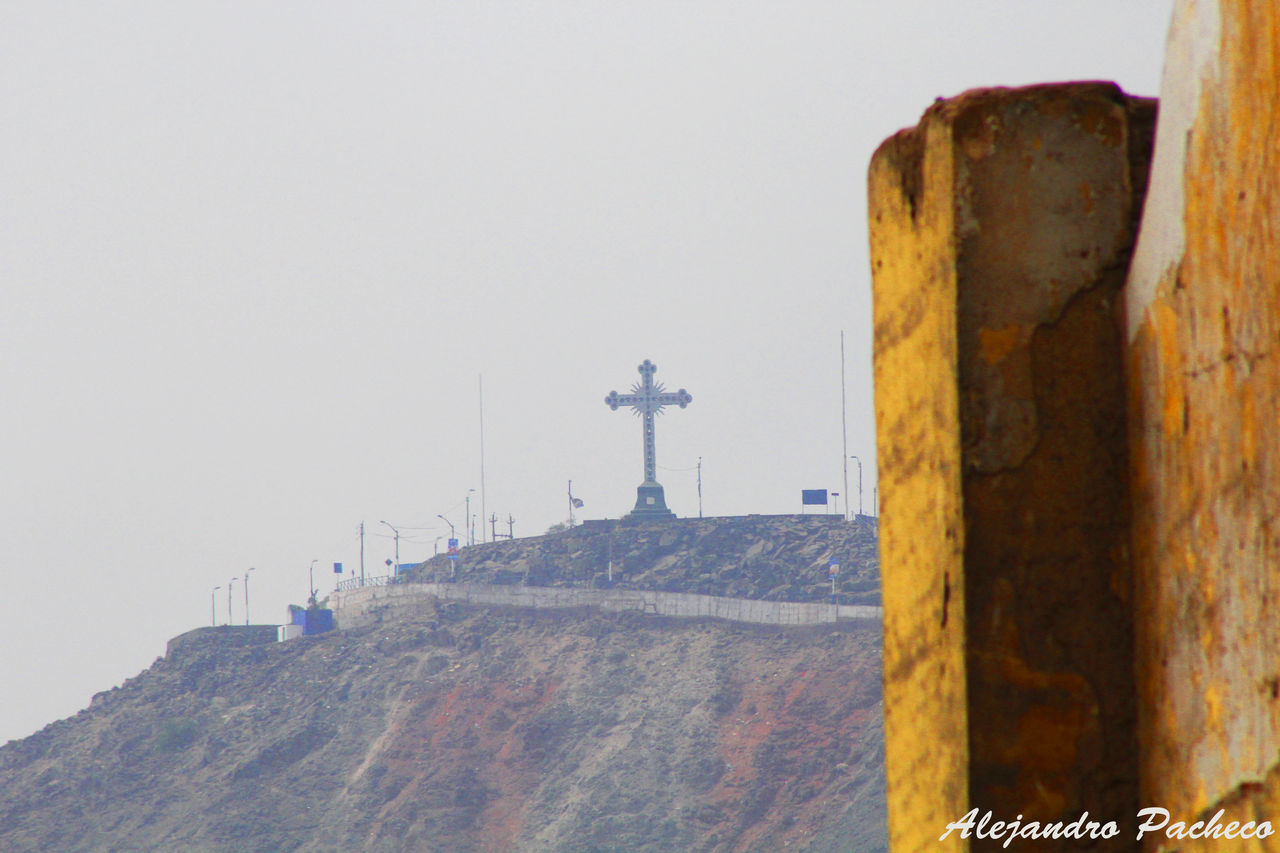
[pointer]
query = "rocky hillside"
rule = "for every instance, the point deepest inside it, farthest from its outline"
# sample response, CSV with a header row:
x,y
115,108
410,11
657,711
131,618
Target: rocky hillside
x,y
772,557
475,729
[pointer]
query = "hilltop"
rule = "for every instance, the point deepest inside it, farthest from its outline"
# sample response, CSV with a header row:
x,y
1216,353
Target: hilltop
x,y
460,728
769,557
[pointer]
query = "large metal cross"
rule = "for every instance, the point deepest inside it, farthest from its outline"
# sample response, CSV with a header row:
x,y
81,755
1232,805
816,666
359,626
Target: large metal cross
x,y
648,398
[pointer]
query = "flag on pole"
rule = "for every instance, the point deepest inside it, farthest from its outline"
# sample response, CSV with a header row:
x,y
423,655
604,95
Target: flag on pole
x,y
577,502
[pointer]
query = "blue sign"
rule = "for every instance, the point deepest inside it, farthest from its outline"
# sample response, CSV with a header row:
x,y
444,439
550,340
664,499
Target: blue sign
x,y
337,568
813,497
833,567
453,547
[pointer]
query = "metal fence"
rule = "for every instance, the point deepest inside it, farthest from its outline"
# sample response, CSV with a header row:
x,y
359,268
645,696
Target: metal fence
x,y
358,583
354,606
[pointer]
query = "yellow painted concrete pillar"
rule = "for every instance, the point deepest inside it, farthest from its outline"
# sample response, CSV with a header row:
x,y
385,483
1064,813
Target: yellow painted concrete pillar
x,y
1203,326
1001,228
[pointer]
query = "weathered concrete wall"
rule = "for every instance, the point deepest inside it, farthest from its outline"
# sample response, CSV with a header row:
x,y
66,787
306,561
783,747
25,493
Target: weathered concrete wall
x,y
1203,321
360,606
1000,235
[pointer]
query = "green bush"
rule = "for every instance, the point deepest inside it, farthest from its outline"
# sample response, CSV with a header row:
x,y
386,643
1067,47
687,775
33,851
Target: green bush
x,y
174,735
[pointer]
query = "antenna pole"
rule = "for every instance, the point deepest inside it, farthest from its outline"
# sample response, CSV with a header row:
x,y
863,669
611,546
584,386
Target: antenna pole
x,y
482,510
699,487
844,430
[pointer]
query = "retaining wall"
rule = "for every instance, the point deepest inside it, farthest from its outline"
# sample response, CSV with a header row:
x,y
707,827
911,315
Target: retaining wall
x,y
356,607
222,637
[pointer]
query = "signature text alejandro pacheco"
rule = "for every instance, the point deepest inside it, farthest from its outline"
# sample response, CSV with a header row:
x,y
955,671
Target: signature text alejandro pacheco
x,y
1153,820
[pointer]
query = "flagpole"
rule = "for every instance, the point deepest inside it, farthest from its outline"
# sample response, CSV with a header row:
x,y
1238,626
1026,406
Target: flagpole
x,y
844,431
482,505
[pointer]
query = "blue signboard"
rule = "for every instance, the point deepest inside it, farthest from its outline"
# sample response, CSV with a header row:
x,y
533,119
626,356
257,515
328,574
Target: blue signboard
x,y
453,547
833,567
813,497
337,568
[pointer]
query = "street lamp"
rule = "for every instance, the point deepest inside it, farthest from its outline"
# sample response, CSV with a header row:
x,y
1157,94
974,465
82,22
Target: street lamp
x,y
231,584
213,606
246,596
397,533
437,546
859,461
453,534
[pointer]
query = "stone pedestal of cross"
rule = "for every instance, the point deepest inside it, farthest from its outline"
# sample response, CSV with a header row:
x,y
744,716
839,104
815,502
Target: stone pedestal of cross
x,y
648,398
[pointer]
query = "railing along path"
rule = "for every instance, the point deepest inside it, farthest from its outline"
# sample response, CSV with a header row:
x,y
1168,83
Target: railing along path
x,y
354,604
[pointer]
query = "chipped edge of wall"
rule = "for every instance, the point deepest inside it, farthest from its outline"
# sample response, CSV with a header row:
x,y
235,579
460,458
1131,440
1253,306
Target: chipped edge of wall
x,y
1191,56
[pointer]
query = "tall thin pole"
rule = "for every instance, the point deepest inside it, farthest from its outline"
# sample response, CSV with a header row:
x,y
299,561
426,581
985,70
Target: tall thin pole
x,y
844,430
482,504
511,526
362,553
230,586
571,503
213,606
246,596
859,461
699,487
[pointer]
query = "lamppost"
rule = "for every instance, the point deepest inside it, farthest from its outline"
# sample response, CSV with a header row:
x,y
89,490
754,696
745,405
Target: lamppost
x,y
312,583
453,534
231,584
213,606
859,461
397,533
246,596
437,545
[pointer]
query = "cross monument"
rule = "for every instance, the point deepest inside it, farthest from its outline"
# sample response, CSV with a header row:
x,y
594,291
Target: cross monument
x,y
648,398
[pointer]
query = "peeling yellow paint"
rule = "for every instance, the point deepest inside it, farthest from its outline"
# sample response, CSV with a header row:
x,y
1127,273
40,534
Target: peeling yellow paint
x,y
1205,396
1165,326
917,417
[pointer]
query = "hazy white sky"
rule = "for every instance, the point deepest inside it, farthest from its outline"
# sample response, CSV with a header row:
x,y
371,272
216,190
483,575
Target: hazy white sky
x,y
254,258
